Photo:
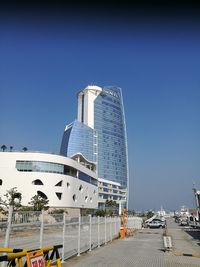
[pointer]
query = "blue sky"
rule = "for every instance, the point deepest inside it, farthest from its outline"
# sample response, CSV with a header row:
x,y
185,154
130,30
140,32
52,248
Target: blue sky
x,y
46,59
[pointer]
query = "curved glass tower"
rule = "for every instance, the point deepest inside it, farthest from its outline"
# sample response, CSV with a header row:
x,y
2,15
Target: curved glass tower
x,y
100,132
78,137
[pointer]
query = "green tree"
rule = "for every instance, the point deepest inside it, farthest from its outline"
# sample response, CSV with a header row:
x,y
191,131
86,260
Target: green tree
x,y
11,148
57,211
111,207
111,203
3,147
39,203
24,149
131,212
12,198
100,213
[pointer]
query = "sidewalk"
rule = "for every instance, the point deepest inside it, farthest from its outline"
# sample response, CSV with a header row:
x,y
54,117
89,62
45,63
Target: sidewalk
x,y
182,241
145,249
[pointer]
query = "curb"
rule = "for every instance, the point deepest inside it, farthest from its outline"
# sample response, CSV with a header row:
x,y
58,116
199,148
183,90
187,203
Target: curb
x,y
197,255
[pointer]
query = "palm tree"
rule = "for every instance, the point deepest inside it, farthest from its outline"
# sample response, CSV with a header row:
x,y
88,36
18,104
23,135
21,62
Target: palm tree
x,y
3,147
11,148
24,149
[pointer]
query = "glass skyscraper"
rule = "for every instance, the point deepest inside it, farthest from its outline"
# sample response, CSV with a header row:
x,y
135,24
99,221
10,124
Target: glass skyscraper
x,y
100,132
78,137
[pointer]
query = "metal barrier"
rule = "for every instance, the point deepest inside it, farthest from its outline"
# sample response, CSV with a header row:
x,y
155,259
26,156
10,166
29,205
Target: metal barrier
x,y
130,224
34,258
40,229
76,234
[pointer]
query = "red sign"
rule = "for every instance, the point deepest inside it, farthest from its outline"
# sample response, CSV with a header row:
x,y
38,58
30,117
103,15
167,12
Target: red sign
x,y
35,259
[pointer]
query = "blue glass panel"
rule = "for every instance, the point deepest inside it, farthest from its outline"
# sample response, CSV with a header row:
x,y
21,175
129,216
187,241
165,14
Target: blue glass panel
x,y
42,166
65,141
80,139
109,122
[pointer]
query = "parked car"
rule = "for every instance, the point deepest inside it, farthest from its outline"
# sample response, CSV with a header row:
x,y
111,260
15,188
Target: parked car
x,y
156,223
183,222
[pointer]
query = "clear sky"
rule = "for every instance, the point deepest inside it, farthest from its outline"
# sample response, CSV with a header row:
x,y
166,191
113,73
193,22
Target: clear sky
x,y
48,54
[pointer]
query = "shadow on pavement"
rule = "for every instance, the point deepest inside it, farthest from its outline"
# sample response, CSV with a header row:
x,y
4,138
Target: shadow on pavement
x,y
194,234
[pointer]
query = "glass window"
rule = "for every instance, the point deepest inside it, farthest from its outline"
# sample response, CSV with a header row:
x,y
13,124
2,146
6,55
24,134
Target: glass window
x,y
41,166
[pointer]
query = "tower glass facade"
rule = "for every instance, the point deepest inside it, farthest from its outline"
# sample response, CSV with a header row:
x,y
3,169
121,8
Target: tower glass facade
x,y
110,124
78,137
100,132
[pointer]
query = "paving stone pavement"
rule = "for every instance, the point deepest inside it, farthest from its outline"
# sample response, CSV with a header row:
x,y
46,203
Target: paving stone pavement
x,y
182,241
144,249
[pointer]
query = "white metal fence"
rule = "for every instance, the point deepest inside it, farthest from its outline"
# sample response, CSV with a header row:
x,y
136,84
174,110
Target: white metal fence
x,y
30,230
134,222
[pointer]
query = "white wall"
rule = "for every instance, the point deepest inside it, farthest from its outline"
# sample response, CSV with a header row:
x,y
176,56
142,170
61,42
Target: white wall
x,y
11,177
90,94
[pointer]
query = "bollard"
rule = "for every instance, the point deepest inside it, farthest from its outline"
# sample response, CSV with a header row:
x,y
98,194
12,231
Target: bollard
x,y
122,232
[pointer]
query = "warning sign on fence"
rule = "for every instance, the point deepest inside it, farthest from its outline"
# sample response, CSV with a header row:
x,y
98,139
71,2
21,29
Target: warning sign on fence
x,y
35,259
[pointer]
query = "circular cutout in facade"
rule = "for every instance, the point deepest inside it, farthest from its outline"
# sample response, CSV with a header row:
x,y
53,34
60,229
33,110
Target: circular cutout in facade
x,y
81,188
41,194
74,198
37,182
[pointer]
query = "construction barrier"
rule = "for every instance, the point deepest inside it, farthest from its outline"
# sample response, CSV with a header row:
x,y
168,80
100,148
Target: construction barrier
x,y
123,228
34,258
130,225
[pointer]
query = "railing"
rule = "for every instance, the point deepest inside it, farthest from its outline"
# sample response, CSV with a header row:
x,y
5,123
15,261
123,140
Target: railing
x,y
30,230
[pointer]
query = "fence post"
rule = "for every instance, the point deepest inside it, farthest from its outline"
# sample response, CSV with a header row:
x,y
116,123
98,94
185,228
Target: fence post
x,y
41,228
63,237
110,228
105,230
8,230
90,234
119,224
98,231
79,235
115,226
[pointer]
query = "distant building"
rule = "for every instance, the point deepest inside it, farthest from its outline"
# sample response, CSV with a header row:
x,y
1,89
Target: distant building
x,y
65,182
109,190
100,133
197,199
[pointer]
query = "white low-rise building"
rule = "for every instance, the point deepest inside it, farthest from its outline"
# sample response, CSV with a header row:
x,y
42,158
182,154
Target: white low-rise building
x,y
109,190
65,182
